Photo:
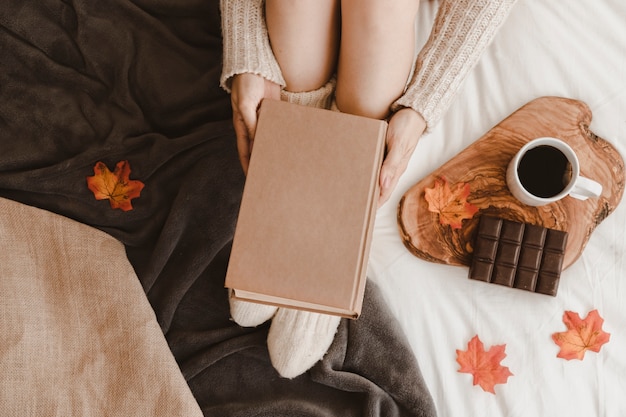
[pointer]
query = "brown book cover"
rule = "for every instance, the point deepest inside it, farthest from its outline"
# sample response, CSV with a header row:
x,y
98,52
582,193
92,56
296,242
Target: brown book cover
x,y
305,224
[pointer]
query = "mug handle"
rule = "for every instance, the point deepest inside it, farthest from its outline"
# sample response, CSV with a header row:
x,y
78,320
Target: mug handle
x,y
585,188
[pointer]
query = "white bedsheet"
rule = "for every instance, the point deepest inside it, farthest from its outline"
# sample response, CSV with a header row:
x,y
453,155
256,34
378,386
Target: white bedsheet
x,y
574,49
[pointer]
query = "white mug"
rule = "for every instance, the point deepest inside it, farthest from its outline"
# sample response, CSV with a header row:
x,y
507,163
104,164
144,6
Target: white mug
x,y
546,170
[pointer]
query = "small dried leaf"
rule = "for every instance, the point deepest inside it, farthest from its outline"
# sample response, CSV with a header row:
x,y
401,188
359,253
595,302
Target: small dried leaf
x,y
450,203
484,365
581,335
114,186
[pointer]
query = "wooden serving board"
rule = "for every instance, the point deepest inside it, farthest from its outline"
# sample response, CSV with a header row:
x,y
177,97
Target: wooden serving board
x,y
483,166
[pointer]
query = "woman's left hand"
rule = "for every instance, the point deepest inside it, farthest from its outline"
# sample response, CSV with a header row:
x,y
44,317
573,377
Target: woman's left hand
x,y
406,126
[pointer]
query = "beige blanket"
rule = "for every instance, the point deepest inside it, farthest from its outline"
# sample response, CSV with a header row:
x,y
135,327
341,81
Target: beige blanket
x,y
77,334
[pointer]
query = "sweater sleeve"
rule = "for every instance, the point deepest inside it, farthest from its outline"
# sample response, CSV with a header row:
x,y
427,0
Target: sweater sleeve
x,y
461,32
246,46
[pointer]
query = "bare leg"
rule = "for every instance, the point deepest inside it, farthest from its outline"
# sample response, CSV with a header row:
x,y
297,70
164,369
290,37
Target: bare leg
x,y
376,54
304,35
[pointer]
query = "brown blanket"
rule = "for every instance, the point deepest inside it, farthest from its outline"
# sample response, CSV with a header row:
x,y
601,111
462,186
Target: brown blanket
x,y
83,81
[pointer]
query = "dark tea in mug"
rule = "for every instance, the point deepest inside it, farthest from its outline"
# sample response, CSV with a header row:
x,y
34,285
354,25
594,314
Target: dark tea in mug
x,y
544,171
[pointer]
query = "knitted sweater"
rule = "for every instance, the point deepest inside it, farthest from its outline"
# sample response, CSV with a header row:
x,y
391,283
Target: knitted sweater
x,y
461,31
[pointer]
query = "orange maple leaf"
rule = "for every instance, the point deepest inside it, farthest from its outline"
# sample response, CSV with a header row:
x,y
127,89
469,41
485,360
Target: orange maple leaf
x,y
484,366
450,203
581,335
114,186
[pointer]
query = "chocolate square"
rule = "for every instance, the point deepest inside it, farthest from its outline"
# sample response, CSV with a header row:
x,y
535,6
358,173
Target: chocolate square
x,y
531,257
551,262
547,284
481,270
526,279
507,252
518,255
534,236
486,249
556,240
503,274
512,232
490,226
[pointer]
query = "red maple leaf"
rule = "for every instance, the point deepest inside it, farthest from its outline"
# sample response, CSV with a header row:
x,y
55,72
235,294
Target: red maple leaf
x,y
450,203
581,335
114,186
483,365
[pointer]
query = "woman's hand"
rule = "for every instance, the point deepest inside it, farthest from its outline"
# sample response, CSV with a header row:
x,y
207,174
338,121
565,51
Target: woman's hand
x,y
247,92
406,126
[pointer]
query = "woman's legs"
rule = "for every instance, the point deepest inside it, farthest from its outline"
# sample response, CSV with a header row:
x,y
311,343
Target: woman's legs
x,y
376,54
304,35
369,43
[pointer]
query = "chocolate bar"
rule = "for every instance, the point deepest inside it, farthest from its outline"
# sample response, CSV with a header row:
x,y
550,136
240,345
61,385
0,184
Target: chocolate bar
x,y
518,255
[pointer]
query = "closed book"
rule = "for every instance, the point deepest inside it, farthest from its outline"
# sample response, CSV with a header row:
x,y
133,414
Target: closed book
x,y
305,224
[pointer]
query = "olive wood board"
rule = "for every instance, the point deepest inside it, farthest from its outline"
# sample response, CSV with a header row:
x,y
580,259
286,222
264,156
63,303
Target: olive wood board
x,y
483,166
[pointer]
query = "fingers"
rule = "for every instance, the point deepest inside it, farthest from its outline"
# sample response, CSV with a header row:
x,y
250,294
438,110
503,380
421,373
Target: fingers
x,y
248,90
248,114
244,121
393,167
405,128
244,147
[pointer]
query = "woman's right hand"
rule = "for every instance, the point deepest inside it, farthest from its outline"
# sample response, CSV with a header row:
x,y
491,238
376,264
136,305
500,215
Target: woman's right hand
x,y
247,92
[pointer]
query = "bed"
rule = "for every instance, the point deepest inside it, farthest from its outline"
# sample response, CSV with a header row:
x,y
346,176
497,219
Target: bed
x,y
122,311
117,306
568,50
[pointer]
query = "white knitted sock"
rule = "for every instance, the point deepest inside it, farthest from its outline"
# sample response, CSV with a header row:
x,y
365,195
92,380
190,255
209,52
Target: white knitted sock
x,y
320,98
298,339
249,314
